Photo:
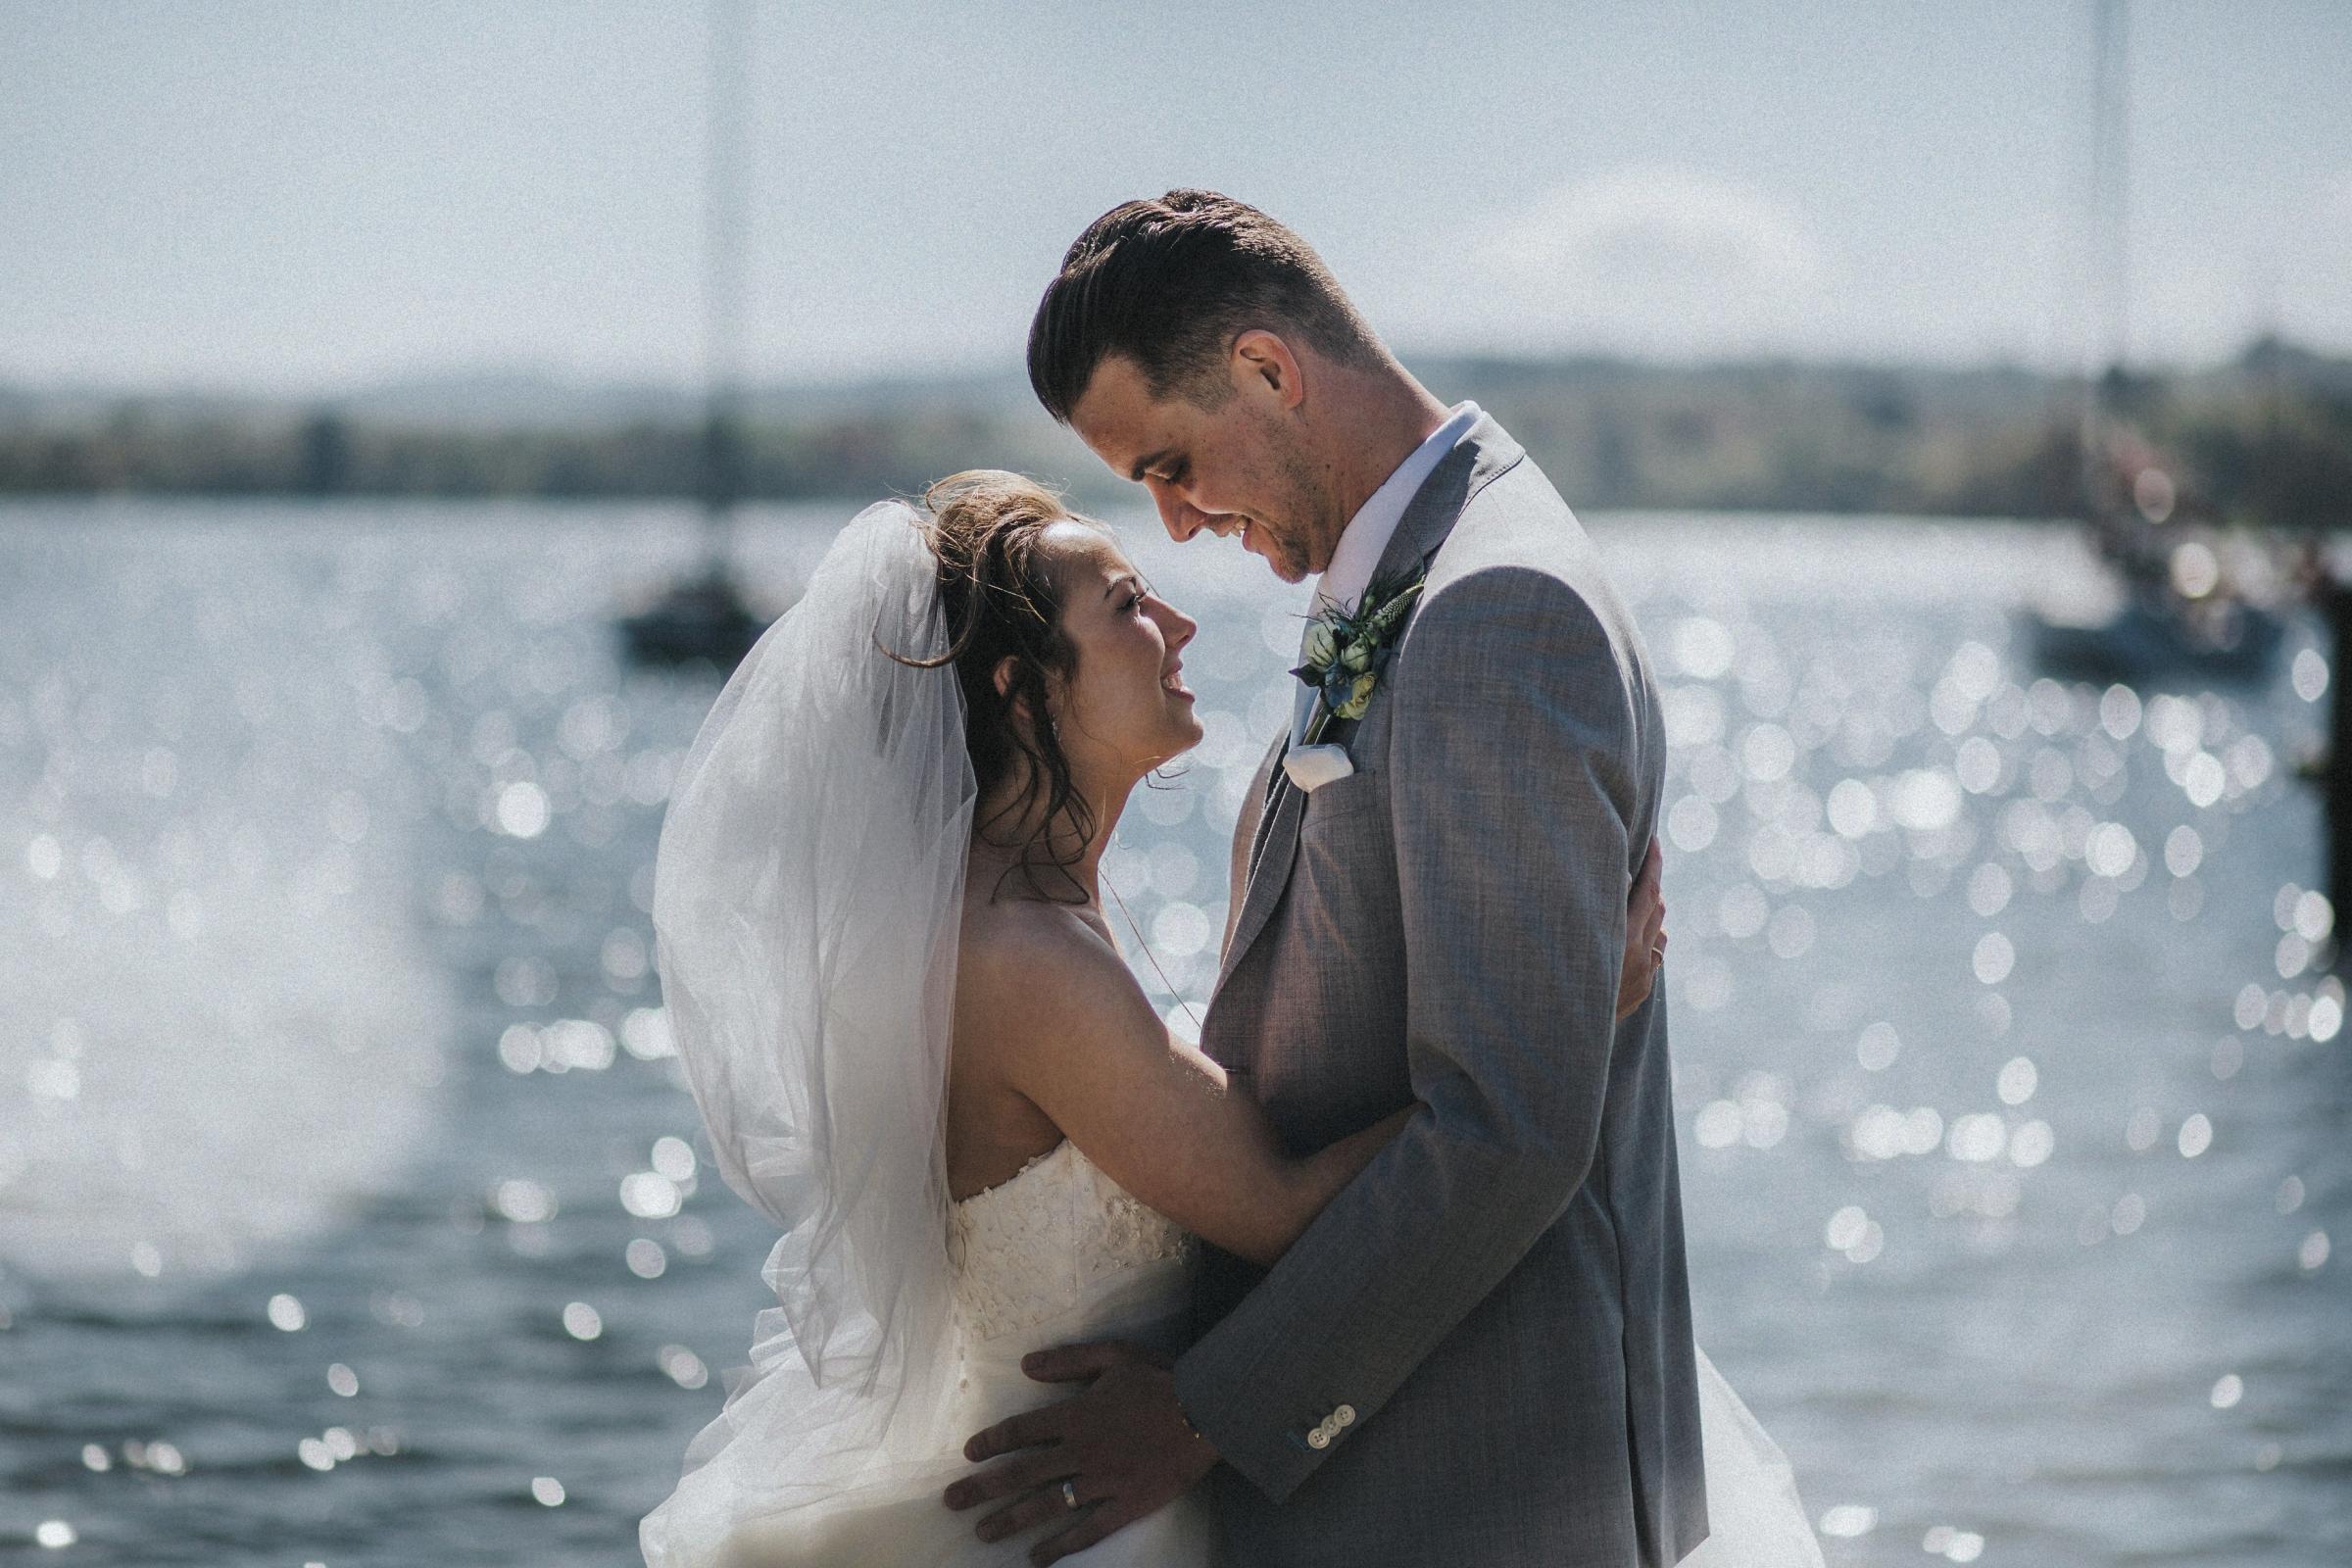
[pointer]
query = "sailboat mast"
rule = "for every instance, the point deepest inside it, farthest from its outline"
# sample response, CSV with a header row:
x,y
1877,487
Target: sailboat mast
x,y
725,209
2108,203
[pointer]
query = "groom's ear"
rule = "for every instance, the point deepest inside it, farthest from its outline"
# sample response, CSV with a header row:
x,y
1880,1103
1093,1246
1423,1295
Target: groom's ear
x,y
1263,364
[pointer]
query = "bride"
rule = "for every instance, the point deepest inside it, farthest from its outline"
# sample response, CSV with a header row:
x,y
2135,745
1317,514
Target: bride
x,y
918,1049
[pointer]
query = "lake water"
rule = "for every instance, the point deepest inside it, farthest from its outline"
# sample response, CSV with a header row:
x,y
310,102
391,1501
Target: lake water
x,y
350,1207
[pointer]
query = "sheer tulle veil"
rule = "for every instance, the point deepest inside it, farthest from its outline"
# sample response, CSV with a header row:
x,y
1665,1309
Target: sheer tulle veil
x,y
807,901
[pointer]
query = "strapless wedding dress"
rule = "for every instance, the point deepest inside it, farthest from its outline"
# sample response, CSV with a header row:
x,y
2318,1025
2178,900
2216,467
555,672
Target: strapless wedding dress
x,y
1057,1255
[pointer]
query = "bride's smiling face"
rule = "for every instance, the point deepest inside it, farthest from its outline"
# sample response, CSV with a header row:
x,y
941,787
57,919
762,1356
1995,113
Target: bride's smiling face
x,y
1127,707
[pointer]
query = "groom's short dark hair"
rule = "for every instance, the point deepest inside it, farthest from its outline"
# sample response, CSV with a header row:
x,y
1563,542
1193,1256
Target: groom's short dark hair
x,y
1169,283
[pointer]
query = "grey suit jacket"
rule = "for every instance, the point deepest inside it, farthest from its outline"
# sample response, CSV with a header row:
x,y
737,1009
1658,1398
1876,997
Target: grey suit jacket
x,y
1480,1352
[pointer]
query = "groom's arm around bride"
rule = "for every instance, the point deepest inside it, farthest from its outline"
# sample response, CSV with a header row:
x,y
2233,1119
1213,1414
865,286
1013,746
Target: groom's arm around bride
x,y
1480,1351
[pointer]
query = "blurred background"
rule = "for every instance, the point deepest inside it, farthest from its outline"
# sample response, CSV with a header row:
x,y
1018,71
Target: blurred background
x,y
406,410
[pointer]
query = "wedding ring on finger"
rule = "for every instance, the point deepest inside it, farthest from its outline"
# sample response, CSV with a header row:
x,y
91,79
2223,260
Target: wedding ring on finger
x,y
1069,1494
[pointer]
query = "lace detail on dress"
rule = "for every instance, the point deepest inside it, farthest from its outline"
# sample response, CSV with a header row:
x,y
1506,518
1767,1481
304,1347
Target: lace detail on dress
x,y
1025,1248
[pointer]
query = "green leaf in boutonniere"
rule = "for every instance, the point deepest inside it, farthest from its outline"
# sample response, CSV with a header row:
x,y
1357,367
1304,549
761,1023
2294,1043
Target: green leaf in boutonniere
x,y
1348,652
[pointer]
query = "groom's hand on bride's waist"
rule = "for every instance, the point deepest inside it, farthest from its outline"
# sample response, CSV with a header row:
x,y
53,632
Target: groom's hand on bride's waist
x,y
1117,1452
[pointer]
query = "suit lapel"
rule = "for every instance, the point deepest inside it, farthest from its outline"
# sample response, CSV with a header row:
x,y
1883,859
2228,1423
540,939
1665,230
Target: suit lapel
x,y
1269,870
1481,454
1276,783
1438,505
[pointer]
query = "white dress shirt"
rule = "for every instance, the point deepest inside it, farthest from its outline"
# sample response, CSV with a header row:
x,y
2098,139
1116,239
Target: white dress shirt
x,y
1366,537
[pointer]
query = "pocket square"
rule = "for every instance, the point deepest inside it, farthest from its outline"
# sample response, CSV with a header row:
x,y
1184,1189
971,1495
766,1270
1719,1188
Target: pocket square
x,y
1312,766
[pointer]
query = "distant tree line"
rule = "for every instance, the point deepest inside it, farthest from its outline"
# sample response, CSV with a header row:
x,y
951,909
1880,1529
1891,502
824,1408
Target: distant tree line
x,y
2267,438
324,452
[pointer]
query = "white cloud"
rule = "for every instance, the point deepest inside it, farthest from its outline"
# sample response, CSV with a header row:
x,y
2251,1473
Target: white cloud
x,y
1646,259
1658,226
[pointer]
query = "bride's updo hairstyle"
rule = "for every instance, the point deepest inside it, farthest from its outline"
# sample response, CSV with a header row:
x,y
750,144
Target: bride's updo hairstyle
x,y
1001,600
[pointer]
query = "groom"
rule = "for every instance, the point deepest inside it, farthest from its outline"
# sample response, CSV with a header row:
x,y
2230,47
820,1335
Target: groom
x,y
1480,1352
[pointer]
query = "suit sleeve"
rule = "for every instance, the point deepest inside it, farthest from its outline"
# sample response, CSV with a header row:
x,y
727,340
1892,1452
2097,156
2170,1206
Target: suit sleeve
x,y
1512,763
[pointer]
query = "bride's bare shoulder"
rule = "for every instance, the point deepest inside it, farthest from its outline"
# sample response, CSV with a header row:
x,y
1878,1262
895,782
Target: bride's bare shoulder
x,y
1032,971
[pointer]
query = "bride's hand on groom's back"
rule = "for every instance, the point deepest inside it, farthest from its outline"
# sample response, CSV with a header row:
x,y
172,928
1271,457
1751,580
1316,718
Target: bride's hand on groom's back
x,y
1645,934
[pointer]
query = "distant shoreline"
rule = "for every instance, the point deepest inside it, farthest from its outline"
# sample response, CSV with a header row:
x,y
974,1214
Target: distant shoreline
x,y
383,508
2266,439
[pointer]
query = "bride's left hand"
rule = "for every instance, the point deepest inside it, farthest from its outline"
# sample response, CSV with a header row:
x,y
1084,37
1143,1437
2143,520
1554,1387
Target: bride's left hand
x,y
1123,1445
1644,935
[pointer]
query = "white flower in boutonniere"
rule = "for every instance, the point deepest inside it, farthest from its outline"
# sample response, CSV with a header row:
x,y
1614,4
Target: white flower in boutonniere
x,y
1347,652
1312,766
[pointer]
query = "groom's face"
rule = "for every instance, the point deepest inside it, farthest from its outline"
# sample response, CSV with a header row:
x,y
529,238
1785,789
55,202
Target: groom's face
x,y
1238,470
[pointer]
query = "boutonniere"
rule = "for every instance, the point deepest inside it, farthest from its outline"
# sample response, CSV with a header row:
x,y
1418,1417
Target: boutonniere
x,y
1347,652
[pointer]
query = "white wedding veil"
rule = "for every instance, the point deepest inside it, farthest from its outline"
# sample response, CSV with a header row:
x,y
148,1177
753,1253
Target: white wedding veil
x,y
807,901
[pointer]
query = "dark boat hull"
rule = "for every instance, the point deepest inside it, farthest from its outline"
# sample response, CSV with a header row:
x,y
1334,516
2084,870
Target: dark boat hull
x,y
2239,646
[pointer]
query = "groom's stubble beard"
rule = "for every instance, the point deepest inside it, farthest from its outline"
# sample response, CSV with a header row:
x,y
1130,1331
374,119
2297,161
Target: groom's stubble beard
x,y
1302,533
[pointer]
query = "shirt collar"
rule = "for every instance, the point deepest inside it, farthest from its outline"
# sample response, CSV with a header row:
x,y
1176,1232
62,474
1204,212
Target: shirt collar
x,y
1366,537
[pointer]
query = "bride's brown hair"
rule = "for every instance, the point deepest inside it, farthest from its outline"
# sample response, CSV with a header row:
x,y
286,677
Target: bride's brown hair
x,y
1001,600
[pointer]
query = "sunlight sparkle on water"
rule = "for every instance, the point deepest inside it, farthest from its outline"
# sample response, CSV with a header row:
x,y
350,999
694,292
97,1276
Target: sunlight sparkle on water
x,y
525,1203
44,857
518,1049
649,1195
1848,1520
1994,959
1956,1545
2309,674
2196,1136
576,1042
1853,801
682,1366
1977,1138
645,1034
1877,1046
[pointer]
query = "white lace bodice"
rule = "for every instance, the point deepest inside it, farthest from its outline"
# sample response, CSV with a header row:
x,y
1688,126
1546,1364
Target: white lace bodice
x,y
1060,1254
1031,1248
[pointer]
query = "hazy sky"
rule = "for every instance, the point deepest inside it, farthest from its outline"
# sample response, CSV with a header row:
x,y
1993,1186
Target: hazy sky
x,y
295,196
